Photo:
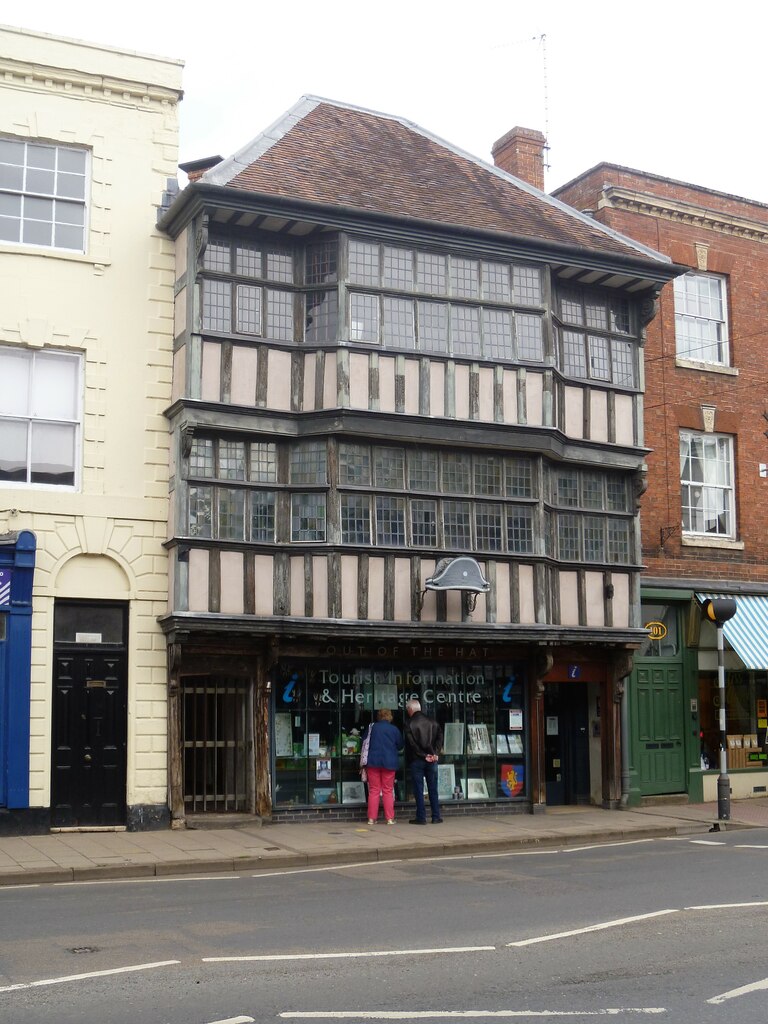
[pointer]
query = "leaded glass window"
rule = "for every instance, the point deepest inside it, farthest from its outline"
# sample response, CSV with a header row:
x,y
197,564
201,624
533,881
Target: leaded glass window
x,y
398,268
279,315
217,306
321,262
322,316
201,458
355,519
231,460
230,513
431,273
488,527
530,338
594,539
354,465
308,517
388,467
363,263
200,511
398,327
309,463
390,520
527,285
569,537
457,524
619,550
520,529
422,471
465,281
263,516
423,522
497,335
364,317
488,474
457,473
518,476
496,284
433,326
248,317
465,330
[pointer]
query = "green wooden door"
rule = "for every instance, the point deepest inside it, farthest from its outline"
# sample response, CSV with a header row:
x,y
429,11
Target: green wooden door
x,y
658,727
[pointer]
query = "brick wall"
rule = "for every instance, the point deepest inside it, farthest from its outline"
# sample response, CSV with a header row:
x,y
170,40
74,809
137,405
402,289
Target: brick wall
x,y
724,235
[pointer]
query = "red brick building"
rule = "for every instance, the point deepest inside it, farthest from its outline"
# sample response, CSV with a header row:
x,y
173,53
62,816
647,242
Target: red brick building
x,y
702,522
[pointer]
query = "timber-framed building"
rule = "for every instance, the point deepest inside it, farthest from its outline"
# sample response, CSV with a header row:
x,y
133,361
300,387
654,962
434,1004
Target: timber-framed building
x,y
407,454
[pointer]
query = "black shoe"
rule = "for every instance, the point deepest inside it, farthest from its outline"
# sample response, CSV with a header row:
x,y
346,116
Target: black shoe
x,y
416,821
437,821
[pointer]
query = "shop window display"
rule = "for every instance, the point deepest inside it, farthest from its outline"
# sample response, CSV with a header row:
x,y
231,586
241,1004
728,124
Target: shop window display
x,y
321,711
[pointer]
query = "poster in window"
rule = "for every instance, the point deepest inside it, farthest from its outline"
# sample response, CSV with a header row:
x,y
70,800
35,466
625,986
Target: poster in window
x,y
512,779
502,746
453,738
515,741
283,735
515,719
323,768
446,782
353,792
478,740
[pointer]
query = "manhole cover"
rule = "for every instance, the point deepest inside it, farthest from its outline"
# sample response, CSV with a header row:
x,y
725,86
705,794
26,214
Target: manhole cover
x,y
84,949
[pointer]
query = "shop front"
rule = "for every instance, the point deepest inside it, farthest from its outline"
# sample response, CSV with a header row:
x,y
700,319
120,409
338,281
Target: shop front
x,y
321,709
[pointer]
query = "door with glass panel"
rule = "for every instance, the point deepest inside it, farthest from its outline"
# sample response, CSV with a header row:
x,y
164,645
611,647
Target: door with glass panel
x,y
657,698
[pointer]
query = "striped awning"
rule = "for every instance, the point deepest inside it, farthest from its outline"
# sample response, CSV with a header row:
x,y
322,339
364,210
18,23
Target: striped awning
x,y
747,631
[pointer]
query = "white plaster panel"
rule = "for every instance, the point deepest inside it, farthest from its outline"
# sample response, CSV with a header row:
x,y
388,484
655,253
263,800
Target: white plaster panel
x,y
594,595
509,392
503,604
624,406
358,380
429,597
244,368
231,601
279,380
620,602
198,580
412,387
486,394
534,393
320,586
376,589
298,587
569,598
180,312
264,585
310,376
349,586
387,384
453,605
526,592
598,415
574,412
210,386
402,590
437,389
462,391
330,383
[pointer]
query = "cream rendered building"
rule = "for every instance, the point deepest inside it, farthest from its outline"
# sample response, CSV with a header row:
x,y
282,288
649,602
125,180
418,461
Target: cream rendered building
x,y
88,143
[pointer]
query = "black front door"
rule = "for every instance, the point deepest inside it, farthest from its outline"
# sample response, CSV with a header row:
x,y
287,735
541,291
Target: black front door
x,y
90,719
566,743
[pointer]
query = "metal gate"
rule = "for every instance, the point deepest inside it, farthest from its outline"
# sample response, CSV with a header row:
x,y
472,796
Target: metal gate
x,y
217,744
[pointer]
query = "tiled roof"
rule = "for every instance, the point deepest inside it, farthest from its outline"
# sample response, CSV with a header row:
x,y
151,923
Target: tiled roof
x,y
330,153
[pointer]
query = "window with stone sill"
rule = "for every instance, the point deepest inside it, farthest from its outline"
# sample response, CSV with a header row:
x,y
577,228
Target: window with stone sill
x,y
707,485
43,194
40,416
701,318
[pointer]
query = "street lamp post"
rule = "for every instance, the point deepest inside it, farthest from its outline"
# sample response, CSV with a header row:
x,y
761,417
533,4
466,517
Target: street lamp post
x,y
720,610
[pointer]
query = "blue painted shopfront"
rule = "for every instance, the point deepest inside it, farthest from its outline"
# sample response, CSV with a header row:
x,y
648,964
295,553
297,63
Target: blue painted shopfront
x,y
17,565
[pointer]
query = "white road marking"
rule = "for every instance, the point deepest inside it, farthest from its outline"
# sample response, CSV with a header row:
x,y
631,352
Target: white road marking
x,y
592,928
756,986
604,846
235,1020
707,842
345,956
729,906
442,1014
90,974
148,878
328,867
23,885
750,846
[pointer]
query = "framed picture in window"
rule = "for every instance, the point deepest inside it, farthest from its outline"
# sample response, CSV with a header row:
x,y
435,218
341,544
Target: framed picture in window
x,y
478,740
353,792
453,738
477,789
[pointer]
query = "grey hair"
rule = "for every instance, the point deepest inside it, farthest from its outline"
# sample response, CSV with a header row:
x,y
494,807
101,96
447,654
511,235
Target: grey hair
x,y
413,705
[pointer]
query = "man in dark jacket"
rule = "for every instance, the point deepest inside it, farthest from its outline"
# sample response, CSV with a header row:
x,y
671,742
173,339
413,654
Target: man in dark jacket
x,y
423,743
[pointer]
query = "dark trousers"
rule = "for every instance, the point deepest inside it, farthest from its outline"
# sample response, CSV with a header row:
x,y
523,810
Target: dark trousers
x,y
421,770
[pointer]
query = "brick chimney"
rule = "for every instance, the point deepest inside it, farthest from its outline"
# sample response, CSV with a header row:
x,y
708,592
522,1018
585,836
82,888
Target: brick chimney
x,y
521,152
195,169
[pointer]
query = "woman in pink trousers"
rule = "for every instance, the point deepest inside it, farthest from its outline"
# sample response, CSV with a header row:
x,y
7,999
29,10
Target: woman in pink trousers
x,y
385,744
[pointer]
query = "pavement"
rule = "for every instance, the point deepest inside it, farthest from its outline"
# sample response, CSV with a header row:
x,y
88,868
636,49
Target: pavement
x,y
75,856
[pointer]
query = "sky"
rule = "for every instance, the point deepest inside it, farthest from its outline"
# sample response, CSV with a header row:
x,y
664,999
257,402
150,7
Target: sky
x,y
674,88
